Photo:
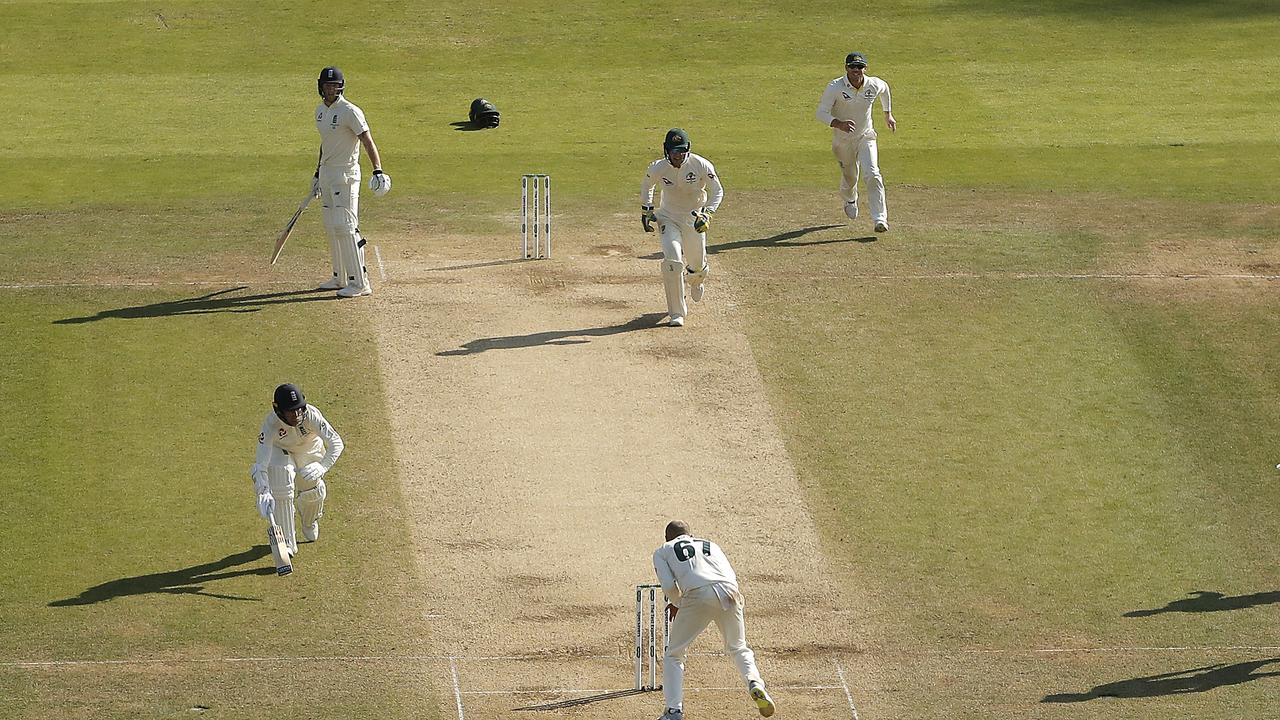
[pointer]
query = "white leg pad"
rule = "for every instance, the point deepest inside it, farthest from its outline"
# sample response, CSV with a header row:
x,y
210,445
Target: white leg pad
x,y
311,509
673,283
280,482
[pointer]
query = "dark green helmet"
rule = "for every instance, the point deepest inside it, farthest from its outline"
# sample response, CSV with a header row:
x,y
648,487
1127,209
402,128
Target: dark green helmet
x,y
677,140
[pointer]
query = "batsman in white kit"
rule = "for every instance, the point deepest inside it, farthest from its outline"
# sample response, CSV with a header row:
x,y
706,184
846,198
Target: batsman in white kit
x,y
342,130
846,107
701,588
296,447
691,193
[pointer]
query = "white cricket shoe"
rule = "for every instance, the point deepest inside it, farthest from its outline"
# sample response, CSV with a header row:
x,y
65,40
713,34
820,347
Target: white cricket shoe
x,y
311,533
672,714
351,291
764,703
333,283
851,210
882,226
676,322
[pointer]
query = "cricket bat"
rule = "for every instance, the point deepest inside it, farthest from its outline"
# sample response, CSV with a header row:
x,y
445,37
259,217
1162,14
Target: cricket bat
x,y
279,550
288,229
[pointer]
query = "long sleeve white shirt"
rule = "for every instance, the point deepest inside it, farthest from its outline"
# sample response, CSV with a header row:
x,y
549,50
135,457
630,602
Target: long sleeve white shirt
x,y
842,101
312,435
692,186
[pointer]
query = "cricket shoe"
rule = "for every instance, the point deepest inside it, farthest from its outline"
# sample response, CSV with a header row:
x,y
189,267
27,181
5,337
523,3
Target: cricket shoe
x,y
676,322
311,533
764,703
851,210
351,291
882,226
333,283
672,714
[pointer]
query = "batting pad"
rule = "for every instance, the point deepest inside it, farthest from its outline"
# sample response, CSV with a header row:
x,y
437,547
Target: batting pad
x,y
280,481
673,283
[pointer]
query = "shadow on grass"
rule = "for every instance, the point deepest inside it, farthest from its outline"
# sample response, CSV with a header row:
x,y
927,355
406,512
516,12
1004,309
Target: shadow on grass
x,y
574,702
554,337
187,581
1181,682
214,302
1105,9
466,126
782,240
1206,601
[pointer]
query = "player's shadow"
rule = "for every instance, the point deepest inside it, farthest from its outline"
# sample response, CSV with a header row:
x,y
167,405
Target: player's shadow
x,y
214,302
466,126
553,337
587,700
1207,601
187,581
1181,682
781,240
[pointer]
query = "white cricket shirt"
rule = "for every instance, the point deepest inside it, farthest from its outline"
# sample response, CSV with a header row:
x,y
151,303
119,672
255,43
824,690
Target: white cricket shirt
x,y
687,562
841,101
687,188
340,124
310,436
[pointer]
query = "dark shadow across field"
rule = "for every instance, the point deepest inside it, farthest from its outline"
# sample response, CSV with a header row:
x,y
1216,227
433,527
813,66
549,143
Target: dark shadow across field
x,y
187,581
214,302
1207,601
783,240
1179,682
553,337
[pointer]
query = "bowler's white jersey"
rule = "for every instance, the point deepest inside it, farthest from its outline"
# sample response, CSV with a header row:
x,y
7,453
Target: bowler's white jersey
x,y
841,101
340,124
311,436
688,562
687,188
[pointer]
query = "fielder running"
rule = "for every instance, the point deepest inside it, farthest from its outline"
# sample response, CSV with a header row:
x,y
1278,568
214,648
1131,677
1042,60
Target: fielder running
x,y
846,107
337,182
691,192
296,447
701,588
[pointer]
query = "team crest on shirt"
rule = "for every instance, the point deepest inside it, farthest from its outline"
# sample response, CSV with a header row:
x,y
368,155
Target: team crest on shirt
x,y
691,177
334,124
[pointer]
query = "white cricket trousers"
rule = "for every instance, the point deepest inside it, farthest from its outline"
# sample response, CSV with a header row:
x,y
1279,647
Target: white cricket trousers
x,y
340,198
860,156
720,603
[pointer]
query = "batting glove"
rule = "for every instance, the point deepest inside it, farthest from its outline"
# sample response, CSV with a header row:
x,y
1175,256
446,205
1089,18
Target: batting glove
x,y
311,472
266,504
380,183
701,220
647,218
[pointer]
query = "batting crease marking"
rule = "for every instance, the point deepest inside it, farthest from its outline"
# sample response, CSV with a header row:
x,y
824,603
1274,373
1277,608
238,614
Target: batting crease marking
x,y
457,686
845,685
377,254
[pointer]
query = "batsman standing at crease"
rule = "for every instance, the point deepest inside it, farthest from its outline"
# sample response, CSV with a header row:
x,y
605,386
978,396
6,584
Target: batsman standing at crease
x,y
296,447
846,107
691,192
337,182
702,588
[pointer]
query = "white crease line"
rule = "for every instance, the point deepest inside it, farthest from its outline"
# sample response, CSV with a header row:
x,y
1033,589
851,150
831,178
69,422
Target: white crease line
x,y
457,687
845,685
377,254
566,658
574,691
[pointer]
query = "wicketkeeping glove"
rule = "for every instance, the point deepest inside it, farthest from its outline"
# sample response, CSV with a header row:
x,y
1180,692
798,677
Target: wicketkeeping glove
x,y
701,220
647,218
380,183
266,504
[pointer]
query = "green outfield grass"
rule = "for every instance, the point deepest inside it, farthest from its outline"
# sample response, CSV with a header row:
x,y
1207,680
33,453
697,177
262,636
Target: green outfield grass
x,y
1003,463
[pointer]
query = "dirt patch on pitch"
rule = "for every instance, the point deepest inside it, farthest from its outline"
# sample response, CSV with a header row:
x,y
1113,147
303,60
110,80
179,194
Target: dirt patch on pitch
x,y
547,427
